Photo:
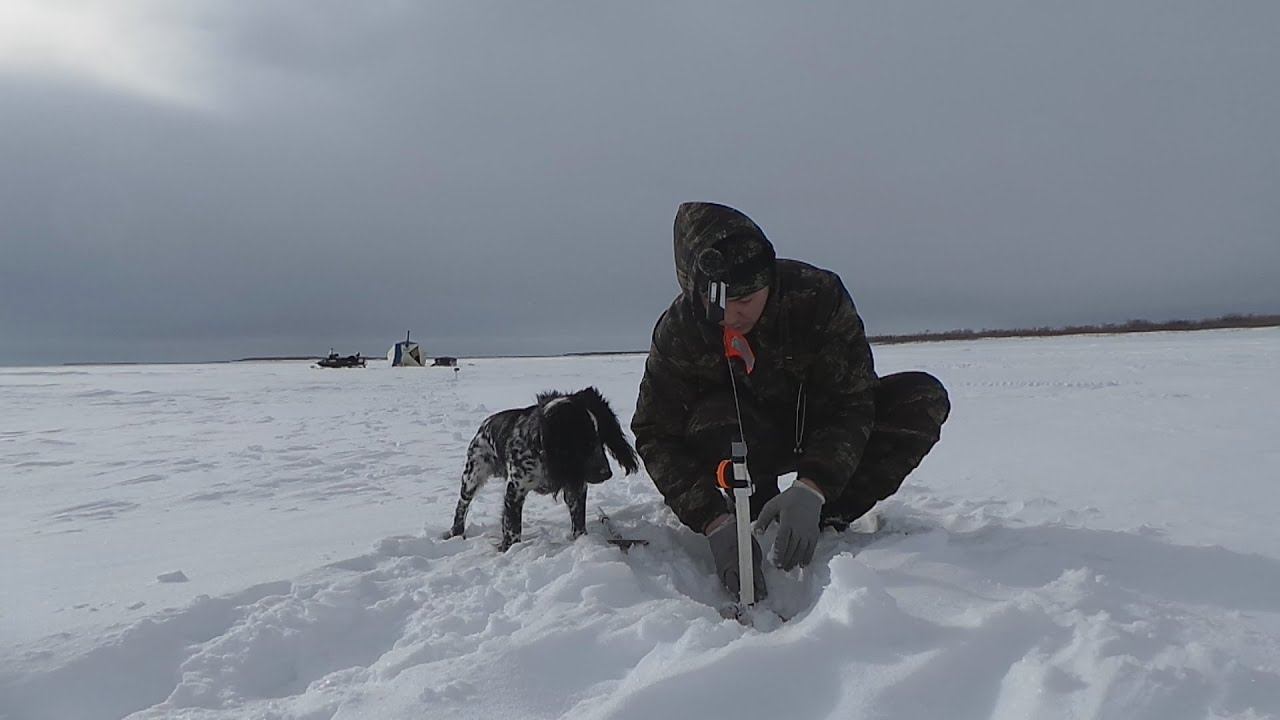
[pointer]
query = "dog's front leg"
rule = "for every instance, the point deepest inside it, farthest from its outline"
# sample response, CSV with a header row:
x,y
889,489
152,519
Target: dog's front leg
x,y
576,498
512,511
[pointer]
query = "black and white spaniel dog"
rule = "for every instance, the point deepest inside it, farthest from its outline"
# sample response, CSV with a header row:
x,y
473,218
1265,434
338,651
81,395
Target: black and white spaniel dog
x,y
554,446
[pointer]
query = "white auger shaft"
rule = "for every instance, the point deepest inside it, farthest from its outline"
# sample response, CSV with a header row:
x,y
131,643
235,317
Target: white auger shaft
x,y
742,515
746,581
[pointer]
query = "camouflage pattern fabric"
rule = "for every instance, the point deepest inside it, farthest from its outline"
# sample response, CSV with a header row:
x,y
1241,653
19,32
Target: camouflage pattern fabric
x,y
741,251
810,343
910,410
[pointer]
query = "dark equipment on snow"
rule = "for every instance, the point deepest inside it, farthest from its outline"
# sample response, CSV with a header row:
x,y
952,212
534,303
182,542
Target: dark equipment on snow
x,y
614,537
336,361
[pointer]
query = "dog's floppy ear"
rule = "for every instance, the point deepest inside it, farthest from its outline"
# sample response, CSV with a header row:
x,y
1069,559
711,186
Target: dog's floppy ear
x,y
608,427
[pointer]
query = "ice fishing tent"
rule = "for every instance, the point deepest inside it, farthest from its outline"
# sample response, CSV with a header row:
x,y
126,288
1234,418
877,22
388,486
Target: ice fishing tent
x,y
406,354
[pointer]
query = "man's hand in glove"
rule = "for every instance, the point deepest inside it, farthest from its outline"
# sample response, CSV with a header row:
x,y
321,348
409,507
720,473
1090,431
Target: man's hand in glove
x,y
722,534
796,510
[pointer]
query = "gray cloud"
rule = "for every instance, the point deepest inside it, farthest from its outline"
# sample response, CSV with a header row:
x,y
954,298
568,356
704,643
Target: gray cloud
x,y
502,178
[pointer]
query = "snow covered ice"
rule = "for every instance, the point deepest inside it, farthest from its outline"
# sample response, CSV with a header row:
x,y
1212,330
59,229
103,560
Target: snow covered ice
x,y
1094,537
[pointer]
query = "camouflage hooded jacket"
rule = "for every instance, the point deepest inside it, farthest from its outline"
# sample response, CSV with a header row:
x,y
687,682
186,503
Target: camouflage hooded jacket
x,y
809,334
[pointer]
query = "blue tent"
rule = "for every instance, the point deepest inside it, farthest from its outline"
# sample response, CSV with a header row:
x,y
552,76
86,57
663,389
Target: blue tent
x,y
406,354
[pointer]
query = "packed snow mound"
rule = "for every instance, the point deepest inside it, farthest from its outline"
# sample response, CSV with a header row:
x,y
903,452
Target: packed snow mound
x,y
913,622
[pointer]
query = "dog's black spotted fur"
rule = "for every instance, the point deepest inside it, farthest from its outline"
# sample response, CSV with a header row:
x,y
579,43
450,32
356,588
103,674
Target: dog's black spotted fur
x,y
554,446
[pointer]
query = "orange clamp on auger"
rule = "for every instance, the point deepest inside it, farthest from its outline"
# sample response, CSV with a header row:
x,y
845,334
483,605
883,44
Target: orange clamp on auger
x,y
724,475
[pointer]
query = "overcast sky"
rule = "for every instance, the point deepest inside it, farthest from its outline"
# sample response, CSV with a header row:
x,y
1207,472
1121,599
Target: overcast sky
x,y
217,179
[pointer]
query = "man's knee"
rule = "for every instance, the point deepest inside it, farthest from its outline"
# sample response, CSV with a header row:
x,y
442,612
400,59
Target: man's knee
x,y
910,410
916,397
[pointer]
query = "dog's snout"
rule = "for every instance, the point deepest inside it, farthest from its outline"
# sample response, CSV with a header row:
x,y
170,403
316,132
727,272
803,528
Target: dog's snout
x,y
602,474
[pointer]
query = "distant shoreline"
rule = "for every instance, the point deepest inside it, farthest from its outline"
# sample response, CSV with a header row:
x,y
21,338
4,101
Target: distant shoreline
x,y
1225,322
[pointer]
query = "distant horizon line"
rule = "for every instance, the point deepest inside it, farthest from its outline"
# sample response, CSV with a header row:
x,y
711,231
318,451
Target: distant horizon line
x,y
1223,322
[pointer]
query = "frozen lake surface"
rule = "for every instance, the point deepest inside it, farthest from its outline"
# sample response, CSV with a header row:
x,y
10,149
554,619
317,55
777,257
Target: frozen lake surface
x,y
1095,537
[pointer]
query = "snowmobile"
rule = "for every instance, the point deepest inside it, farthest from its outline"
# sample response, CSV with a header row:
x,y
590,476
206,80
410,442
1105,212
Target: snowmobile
x,y
335,361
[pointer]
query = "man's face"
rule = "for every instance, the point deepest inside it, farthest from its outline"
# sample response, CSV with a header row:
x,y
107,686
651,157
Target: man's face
x,y
742,313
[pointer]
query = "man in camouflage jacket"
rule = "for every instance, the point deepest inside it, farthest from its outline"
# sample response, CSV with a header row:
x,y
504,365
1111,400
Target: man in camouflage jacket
x,y
812,404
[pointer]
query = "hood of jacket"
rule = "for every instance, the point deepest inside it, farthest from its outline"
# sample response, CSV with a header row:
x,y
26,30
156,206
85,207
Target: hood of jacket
x,y
703,226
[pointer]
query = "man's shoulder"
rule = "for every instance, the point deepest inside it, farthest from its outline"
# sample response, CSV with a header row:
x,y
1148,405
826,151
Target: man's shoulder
x,y
678,329
809,293
799,274
676,315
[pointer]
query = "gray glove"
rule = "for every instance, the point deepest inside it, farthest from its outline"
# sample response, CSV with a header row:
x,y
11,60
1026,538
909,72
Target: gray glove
x,y
724,549
796,510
